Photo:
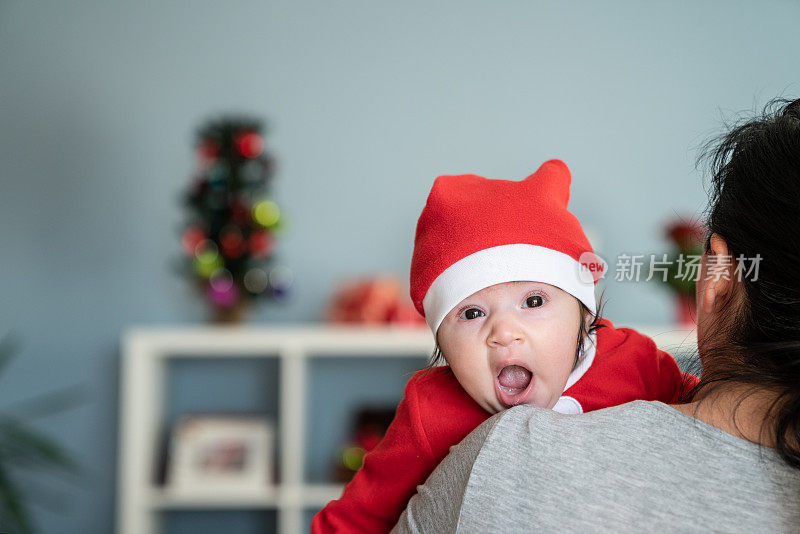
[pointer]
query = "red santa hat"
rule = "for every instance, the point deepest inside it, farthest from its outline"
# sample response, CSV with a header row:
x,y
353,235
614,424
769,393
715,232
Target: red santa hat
x,y
475,232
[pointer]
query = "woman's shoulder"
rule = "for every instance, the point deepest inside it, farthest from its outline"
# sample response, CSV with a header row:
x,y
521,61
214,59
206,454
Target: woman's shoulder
x,y
616,423
629,411
619,426
632,452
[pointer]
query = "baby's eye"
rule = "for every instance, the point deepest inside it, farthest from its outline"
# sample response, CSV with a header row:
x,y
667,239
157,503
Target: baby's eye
x,y
473,313
534,301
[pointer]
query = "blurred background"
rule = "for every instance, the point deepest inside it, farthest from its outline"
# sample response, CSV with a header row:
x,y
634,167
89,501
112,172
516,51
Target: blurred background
x,y
359,106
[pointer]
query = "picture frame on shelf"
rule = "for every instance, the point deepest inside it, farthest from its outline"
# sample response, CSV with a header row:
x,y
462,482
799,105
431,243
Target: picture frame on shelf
x,y
221,453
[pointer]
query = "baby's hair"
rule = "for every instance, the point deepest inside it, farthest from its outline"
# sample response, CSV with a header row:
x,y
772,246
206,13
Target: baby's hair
x,y
437,358
585,330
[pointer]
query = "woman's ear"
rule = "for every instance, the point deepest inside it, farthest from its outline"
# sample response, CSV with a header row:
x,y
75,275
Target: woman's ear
x,y
719,272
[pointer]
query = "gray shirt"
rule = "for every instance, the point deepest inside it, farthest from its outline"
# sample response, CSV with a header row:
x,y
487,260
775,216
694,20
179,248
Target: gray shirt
x,y
638,467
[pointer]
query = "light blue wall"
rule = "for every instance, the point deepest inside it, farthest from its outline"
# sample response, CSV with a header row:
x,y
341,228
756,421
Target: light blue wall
x,y
368,102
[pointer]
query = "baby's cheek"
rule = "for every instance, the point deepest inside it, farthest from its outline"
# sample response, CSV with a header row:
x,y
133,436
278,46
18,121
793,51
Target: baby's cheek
x,y
480,389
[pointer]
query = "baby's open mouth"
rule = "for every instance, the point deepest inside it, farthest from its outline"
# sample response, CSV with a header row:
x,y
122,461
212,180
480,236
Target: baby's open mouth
x,y
514,384
514,379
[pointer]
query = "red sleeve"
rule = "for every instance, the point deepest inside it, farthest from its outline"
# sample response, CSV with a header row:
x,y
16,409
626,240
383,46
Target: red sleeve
x,y
435,414
668,383
628,366
662,378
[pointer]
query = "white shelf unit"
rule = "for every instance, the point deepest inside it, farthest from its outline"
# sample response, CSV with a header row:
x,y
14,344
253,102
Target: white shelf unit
x,y
145,353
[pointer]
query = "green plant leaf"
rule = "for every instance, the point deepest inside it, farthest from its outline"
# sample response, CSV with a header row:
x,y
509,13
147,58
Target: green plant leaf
x,y
9,347
49,403
33,446
21,446
15,514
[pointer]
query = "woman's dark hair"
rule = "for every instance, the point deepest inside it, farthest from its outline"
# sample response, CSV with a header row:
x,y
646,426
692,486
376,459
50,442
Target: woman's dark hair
x,y
755,207
437,357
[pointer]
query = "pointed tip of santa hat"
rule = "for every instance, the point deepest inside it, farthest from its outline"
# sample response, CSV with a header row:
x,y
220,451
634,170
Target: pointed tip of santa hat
x,y
555,165
553,178
475,232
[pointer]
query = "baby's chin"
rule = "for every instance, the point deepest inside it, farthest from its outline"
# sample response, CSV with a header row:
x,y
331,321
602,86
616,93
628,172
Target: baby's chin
x,y
495,405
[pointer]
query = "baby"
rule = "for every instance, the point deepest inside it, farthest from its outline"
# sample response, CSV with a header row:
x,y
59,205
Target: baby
x,y
499,272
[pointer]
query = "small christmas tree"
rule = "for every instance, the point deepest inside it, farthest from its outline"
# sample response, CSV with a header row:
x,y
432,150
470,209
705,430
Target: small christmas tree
x,y
229,239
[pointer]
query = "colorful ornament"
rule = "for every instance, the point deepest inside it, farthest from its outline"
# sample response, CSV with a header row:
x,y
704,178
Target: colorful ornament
x,y
266,213
223,297
256,280
280,281
192,237
281,277
218,177
353,458
221,280
231,241
207,258
249,144
261,243
208,150
370,426
240,214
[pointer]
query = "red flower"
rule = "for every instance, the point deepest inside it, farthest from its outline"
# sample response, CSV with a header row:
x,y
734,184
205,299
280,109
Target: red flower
x,y
686,235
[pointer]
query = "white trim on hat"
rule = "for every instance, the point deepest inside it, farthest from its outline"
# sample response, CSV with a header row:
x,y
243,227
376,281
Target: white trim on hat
x,y
505,263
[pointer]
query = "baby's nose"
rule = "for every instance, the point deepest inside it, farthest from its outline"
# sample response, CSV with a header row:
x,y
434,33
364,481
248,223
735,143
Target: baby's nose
x,y
505,331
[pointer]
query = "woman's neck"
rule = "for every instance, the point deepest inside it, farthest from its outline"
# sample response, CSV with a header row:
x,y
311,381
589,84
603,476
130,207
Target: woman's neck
x,y
740,410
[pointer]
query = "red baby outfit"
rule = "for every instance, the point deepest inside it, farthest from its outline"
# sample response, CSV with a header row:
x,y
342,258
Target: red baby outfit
x,y
436,413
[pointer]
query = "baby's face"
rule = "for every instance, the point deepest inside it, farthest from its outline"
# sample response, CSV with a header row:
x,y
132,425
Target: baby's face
x,y
512,343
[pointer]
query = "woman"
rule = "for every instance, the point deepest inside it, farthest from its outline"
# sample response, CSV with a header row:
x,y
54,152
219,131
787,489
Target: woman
x,y
727,461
